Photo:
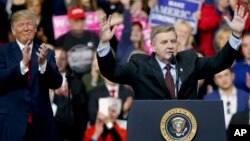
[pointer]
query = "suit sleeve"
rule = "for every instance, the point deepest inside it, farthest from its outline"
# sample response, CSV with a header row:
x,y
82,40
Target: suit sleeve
x,y
52,77
208,66
10,78
115,72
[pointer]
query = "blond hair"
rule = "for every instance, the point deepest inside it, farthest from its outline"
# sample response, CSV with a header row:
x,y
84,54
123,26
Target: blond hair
x,y
190,37
219,34
22,14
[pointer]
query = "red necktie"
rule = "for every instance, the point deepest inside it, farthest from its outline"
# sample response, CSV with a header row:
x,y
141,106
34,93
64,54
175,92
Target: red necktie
x,y
112,93
169,81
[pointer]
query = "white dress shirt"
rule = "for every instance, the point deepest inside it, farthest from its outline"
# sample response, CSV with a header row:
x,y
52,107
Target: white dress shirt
x,y
116,88
229,104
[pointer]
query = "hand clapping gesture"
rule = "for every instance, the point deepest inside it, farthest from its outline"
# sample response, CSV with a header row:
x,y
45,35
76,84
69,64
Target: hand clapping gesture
x,y
26,54
237,24
41,54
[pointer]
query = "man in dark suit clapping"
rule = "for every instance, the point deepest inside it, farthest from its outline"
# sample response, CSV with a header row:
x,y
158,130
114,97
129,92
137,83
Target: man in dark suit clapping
x,y
27,72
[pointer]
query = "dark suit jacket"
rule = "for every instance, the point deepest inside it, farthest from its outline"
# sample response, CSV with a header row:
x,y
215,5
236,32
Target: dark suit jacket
x,y
102,92
240,118
242,99
144,74
18,95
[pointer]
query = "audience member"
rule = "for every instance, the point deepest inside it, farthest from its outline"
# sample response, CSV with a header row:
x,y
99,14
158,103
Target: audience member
x,y
184,35
132,41
241,68
137,10
221,37
110,89
80,46
64,112
88,5
211,18
234,99
17,5
45,32
93,80
101,131
233,4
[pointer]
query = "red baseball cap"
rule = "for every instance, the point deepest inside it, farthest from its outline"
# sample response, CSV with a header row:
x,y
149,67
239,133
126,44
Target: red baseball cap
x,y
137,23
75,13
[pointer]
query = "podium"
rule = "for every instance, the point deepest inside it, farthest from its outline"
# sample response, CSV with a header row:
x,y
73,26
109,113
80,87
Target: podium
x,y
145,117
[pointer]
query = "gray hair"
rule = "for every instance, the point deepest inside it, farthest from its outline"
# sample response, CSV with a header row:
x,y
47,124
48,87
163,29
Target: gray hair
x,y
160,29
22,14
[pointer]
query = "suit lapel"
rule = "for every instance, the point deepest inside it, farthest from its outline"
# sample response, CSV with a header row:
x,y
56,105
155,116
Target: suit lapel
x,y
181,67
16,53
158,75
34,62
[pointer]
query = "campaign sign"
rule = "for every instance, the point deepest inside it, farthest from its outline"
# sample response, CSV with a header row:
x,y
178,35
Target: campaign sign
x,y
61,24
170,11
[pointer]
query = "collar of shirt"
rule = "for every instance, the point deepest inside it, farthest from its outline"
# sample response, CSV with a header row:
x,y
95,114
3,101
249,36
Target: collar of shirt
x,y
232,107
225,96
162,65
22,45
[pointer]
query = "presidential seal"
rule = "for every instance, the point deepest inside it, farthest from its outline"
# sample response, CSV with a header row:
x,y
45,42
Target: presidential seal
x,y
178,124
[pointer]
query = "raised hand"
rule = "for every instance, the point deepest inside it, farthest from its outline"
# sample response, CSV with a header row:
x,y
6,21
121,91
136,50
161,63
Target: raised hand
x,y
106,33
99,125
126,3
42,52
127,104
237,24
26,54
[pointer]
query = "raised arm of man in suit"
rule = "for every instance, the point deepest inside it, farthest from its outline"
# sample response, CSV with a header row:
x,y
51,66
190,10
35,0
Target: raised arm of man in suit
x,y
146,73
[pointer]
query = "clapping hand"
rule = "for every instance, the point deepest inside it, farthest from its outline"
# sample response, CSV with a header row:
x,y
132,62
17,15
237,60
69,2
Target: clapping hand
x,y
237,24
42,53
26,54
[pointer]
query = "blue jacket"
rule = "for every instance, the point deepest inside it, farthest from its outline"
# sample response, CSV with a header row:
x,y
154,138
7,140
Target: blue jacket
x,y
125,46
242,99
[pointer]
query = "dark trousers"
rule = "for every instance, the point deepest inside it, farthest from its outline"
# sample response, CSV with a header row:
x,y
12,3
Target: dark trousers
x,y
29,134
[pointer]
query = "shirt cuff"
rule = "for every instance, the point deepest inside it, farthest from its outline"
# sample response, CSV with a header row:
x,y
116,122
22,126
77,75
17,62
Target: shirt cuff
x,y
42,68
103,49
93,139
23,68
234,42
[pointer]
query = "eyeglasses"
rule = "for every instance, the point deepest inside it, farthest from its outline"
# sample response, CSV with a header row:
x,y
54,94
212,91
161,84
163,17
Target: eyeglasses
x,y
228,107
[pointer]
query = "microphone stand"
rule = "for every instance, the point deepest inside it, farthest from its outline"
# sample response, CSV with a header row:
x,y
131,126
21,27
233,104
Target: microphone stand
x,y
69,76
176,86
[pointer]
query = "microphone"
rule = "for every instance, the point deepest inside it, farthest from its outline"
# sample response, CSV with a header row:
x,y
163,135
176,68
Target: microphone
x,y
69,76
173,60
